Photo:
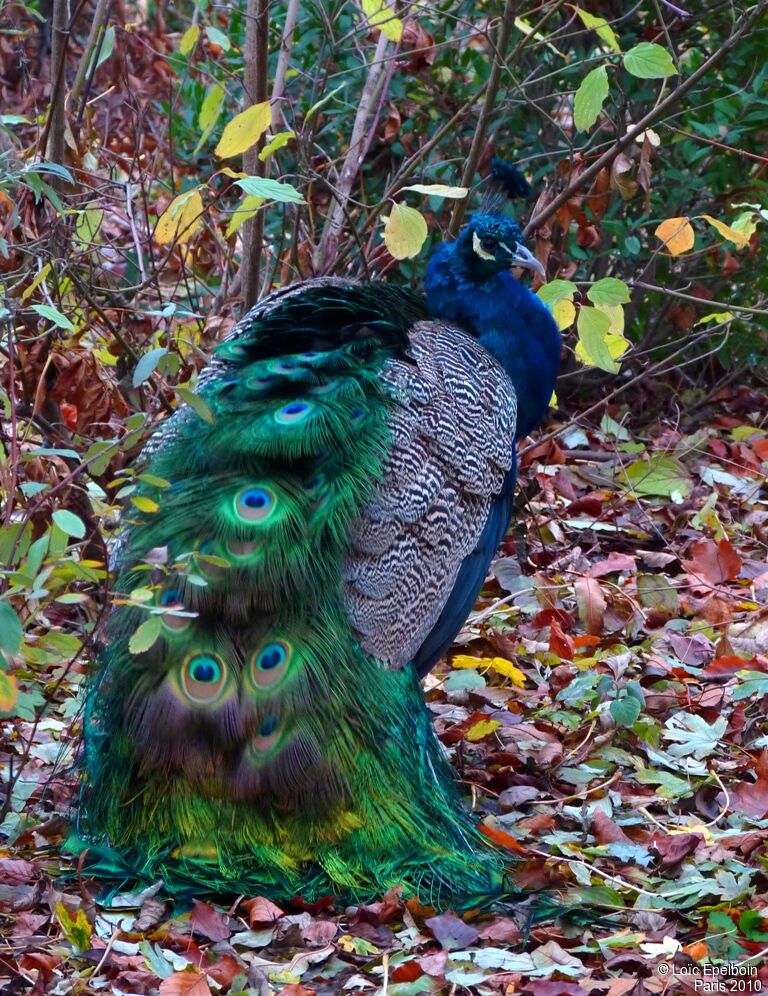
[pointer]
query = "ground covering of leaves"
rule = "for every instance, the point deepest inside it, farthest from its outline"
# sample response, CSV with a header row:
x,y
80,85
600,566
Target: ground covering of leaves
x,y
605,709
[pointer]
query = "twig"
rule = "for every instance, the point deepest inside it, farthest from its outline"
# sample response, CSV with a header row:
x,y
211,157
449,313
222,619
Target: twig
x,y
478,139
652,116
88,59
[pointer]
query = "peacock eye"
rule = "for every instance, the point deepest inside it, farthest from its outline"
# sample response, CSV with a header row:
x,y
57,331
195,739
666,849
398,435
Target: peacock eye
x,y
202,679
255,504
488,245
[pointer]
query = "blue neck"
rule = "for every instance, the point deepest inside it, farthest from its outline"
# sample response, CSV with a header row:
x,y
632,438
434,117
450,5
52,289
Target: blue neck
x,y
505,317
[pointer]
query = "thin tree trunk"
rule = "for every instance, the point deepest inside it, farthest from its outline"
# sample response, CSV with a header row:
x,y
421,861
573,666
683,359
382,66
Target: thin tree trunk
x,y
286,45
53,149
329,244
478,139
256,60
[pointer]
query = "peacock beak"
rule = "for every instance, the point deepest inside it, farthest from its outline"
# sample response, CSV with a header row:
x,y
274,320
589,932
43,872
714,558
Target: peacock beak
x,y
524,257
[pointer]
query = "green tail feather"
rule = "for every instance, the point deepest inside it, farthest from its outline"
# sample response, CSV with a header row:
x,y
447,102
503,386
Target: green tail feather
x,y
245,743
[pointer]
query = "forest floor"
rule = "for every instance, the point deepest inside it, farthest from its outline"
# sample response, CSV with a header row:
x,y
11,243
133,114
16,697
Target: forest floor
x,y
605,709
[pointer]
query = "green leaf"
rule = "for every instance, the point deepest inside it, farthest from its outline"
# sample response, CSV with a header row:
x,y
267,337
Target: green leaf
x,y
270,190
54,315
69,523
557,290
197,404
146,365
107,46
717,317
593,327
604,31
76,928
276,142
11,630
438,190
625,710
589,98
609,290
659,477
209,113
217,37
145,636
648,61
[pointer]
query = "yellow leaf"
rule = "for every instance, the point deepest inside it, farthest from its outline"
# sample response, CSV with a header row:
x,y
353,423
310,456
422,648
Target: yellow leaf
x,y
405,232
506,668
246,209
189,39
746,223
615,314
464,660
601,27
145,504
209,112
76,929
381,15
8,692
616,345
564,313
481,729
740,239
676,234
36,282
181,219
553,402
276,142
244,130
498,664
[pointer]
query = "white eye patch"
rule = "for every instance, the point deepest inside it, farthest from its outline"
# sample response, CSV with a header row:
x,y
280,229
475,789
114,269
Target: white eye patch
x,y
506,248
476,245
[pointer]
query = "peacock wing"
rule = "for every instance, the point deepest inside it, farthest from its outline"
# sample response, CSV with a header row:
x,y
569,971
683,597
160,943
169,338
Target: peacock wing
x,y
420,549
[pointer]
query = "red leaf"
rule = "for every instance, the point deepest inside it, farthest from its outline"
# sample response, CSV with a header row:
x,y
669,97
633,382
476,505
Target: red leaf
x,y
606,831
451,932
185,984
559,643
407,972
591,603
752,797
715,562
501,838
614,563
210,922
262,911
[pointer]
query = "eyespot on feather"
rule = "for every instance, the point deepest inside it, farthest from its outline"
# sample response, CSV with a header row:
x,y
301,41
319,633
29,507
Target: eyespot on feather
x,y
255,504
203,679
170,598
293,413
269,663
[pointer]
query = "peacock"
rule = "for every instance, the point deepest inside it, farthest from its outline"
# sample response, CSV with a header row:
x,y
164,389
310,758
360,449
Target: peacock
x,y
308,539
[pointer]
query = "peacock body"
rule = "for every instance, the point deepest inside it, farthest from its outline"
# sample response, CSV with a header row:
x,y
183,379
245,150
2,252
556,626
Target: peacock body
x,y
307,551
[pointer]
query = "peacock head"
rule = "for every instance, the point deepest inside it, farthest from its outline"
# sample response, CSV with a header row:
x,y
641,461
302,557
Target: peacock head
x,y
491,243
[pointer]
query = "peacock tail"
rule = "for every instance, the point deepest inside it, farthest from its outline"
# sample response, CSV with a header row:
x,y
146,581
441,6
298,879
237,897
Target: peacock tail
x,y
305,542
